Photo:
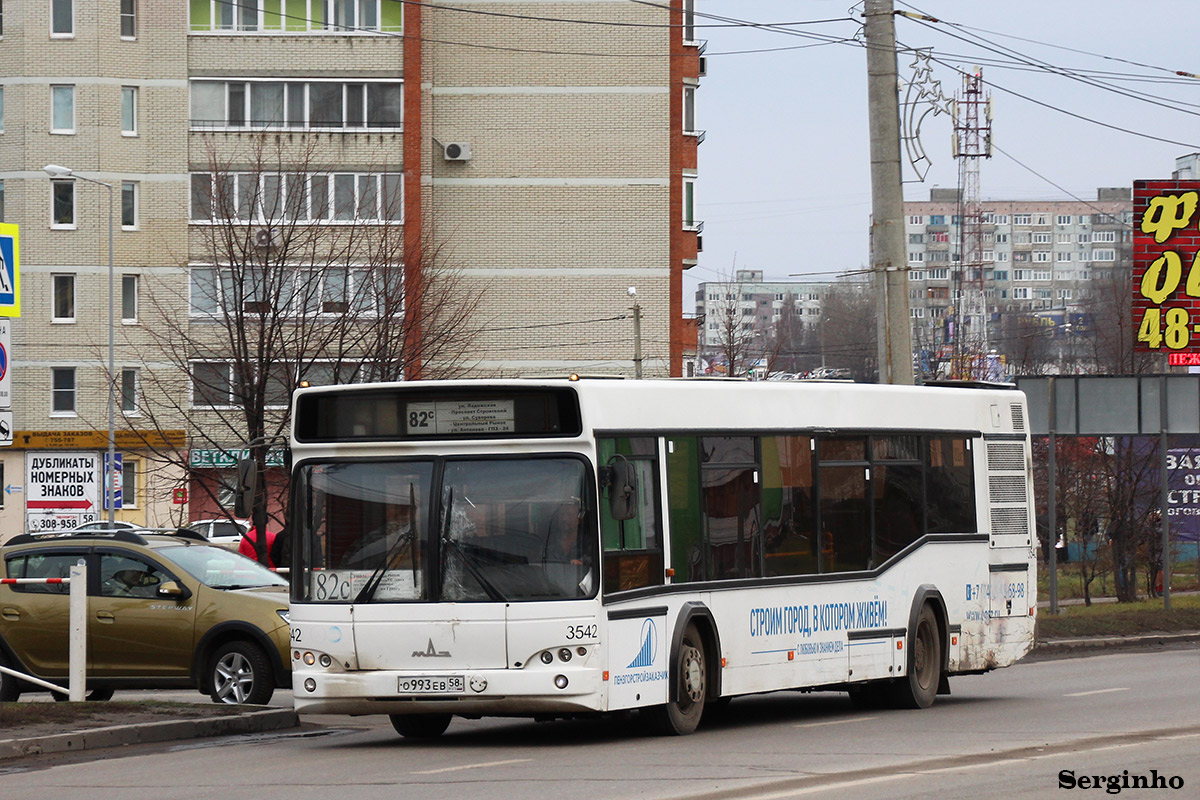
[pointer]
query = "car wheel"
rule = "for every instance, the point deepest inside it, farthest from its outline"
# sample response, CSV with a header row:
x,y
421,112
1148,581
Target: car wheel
x,y
10,687
240,673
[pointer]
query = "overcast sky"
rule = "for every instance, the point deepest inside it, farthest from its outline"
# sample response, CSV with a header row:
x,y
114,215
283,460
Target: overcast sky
x,y
784,172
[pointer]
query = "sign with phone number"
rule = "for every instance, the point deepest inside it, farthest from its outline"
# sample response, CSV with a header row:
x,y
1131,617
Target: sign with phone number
x,y
1166,269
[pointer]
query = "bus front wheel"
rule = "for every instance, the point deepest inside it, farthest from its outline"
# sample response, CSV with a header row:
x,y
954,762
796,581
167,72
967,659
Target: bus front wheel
x,y
918,688
420,726
680,717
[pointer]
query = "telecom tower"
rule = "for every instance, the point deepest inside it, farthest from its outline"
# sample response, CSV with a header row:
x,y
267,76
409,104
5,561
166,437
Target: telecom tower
x,y
972,141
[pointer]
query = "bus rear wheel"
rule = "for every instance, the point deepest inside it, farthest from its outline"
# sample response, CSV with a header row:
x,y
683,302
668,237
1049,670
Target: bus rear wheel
x,y
918,688
680,717
420,726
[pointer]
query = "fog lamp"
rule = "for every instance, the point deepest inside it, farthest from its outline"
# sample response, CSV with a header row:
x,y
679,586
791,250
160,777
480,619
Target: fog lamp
x,y
560,681
325,660
310,685
564,654
547,657
582,651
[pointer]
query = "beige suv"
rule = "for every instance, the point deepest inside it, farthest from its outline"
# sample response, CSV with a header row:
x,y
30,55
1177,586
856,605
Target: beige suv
x,y
164,611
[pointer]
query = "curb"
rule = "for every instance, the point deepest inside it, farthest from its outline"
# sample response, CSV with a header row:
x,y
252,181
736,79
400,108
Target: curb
x,y
1082,645
148,732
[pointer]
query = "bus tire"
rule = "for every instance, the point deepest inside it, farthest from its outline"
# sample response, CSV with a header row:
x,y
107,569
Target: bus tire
x,y
918,688
420,726
681,716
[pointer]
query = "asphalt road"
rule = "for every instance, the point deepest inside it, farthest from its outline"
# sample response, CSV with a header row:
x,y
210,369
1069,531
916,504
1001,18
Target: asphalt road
x,y
1009,733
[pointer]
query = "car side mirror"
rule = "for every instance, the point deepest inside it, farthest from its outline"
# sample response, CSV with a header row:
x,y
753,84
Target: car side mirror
x,y
174,591
620,480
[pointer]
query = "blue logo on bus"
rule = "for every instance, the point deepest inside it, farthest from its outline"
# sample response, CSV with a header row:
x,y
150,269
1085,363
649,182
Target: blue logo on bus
x,y
649,649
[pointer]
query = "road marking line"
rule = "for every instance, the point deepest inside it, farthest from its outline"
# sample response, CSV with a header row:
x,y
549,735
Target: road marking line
x,y
472,766
834,722
1097,691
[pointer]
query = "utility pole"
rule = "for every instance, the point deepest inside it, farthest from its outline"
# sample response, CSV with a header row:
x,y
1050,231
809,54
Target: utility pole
x,y
637,333
888,254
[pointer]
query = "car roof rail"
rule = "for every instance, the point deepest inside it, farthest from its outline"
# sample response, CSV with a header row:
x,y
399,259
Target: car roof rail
x,y
116,534
188,533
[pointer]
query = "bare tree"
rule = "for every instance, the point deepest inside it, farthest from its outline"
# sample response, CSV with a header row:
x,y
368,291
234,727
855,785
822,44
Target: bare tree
x,y
847,332
297,273
738,340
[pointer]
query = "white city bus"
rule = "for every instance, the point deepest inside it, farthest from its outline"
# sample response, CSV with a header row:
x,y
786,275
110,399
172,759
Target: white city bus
x,y
561,547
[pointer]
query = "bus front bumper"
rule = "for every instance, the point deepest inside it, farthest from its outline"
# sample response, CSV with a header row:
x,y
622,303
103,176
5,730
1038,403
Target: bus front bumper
x,y
558,688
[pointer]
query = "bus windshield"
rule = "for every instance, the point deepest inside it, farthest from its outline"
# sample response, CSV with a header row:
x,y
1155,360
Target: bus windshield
x,y
502,530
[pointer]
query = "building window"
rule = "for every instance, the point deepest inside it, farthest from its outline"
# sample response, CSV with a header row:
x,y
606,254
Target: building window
x,y
320,105
1041,238
1,109
1104,255
1062,256
1022,219
63,211
1020,293
1063,219
689,109
689,204
62,109
129,97
62,400
1064,238
689,20
1041,274
916,258
64,298
1001,219
1000,275
128,19
916,220
129,391
916,238
1041,219
129,298
129,487
129,205
1104,236
62,17
337,198
212,384
937,219
1041,255
295,16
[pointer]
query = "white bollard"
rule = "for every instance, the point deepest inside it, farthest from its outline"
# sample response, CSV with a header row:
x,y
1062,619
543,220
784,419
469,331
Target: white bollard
x,y
77,668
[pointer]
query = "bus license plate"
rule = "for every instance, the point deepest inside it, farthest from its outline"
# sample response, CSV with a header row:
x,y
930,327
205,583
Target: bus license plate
x,y
432,684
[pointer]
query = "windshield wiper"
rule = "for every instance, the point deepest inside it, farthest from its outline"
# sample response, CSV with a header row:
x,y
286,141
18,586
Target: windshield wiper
x,y
467,559
402,539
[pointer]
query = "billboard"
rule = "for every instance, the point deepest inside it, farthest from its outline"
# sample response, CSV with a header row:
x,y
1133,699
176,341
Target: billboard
x,y
1166,275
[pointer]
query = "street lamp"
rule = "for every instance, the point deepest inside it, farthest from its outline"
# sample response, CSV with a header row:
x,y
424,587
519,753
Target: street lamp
x,y
56,171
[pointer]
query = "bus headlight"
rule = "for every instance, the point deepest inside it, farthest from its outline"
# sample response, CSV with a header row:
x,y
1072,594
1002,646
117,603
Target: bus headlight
x,y
309,659
325,660
547,657
564,654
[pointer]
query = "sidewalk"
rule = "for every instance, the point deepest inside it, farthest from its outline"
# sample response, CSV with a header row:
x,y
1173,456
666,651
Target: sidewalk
x,y
269,719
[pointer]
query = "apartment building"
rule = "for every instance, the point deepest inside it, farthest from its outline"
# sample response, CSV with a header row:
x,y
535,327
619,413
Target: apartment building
x,y
537,152
1037,258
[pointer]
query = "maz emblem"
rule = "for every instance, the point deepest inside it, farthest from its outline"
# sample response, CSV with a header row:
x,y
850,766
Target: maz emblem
x,y
431,652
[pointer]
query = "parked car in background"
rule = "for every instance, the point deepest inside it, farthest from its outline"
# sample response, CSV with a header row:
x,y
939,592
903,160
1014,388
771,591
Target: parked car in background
x,y
223,532
105,525
165,610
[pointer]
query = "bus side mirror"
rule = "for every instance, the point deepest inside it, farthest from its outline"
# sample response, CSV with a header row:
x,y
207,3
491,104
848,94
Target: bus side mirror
x,y
621,482
247,482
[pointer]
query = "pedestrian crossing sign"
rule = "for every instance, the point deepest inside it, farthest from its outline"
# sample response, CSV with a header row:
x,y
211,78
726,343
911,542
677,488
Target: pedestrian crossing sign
x,y
10,272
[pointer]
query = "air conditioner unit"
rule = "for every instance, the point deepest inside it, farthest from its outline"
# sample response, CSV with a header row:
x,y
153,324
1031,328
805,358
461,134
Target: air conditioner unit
x,y
264,237
703,66
456,151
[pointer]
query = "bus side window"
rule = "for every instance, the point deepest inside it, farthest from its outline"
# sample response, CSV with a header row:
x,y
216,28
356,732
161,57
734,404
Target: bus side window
x,y
632,548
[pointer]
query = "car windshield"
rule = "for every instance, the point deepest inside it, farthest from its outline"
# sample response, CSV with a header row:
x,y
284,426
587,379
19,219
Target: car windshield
x,y
501,530
221,568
